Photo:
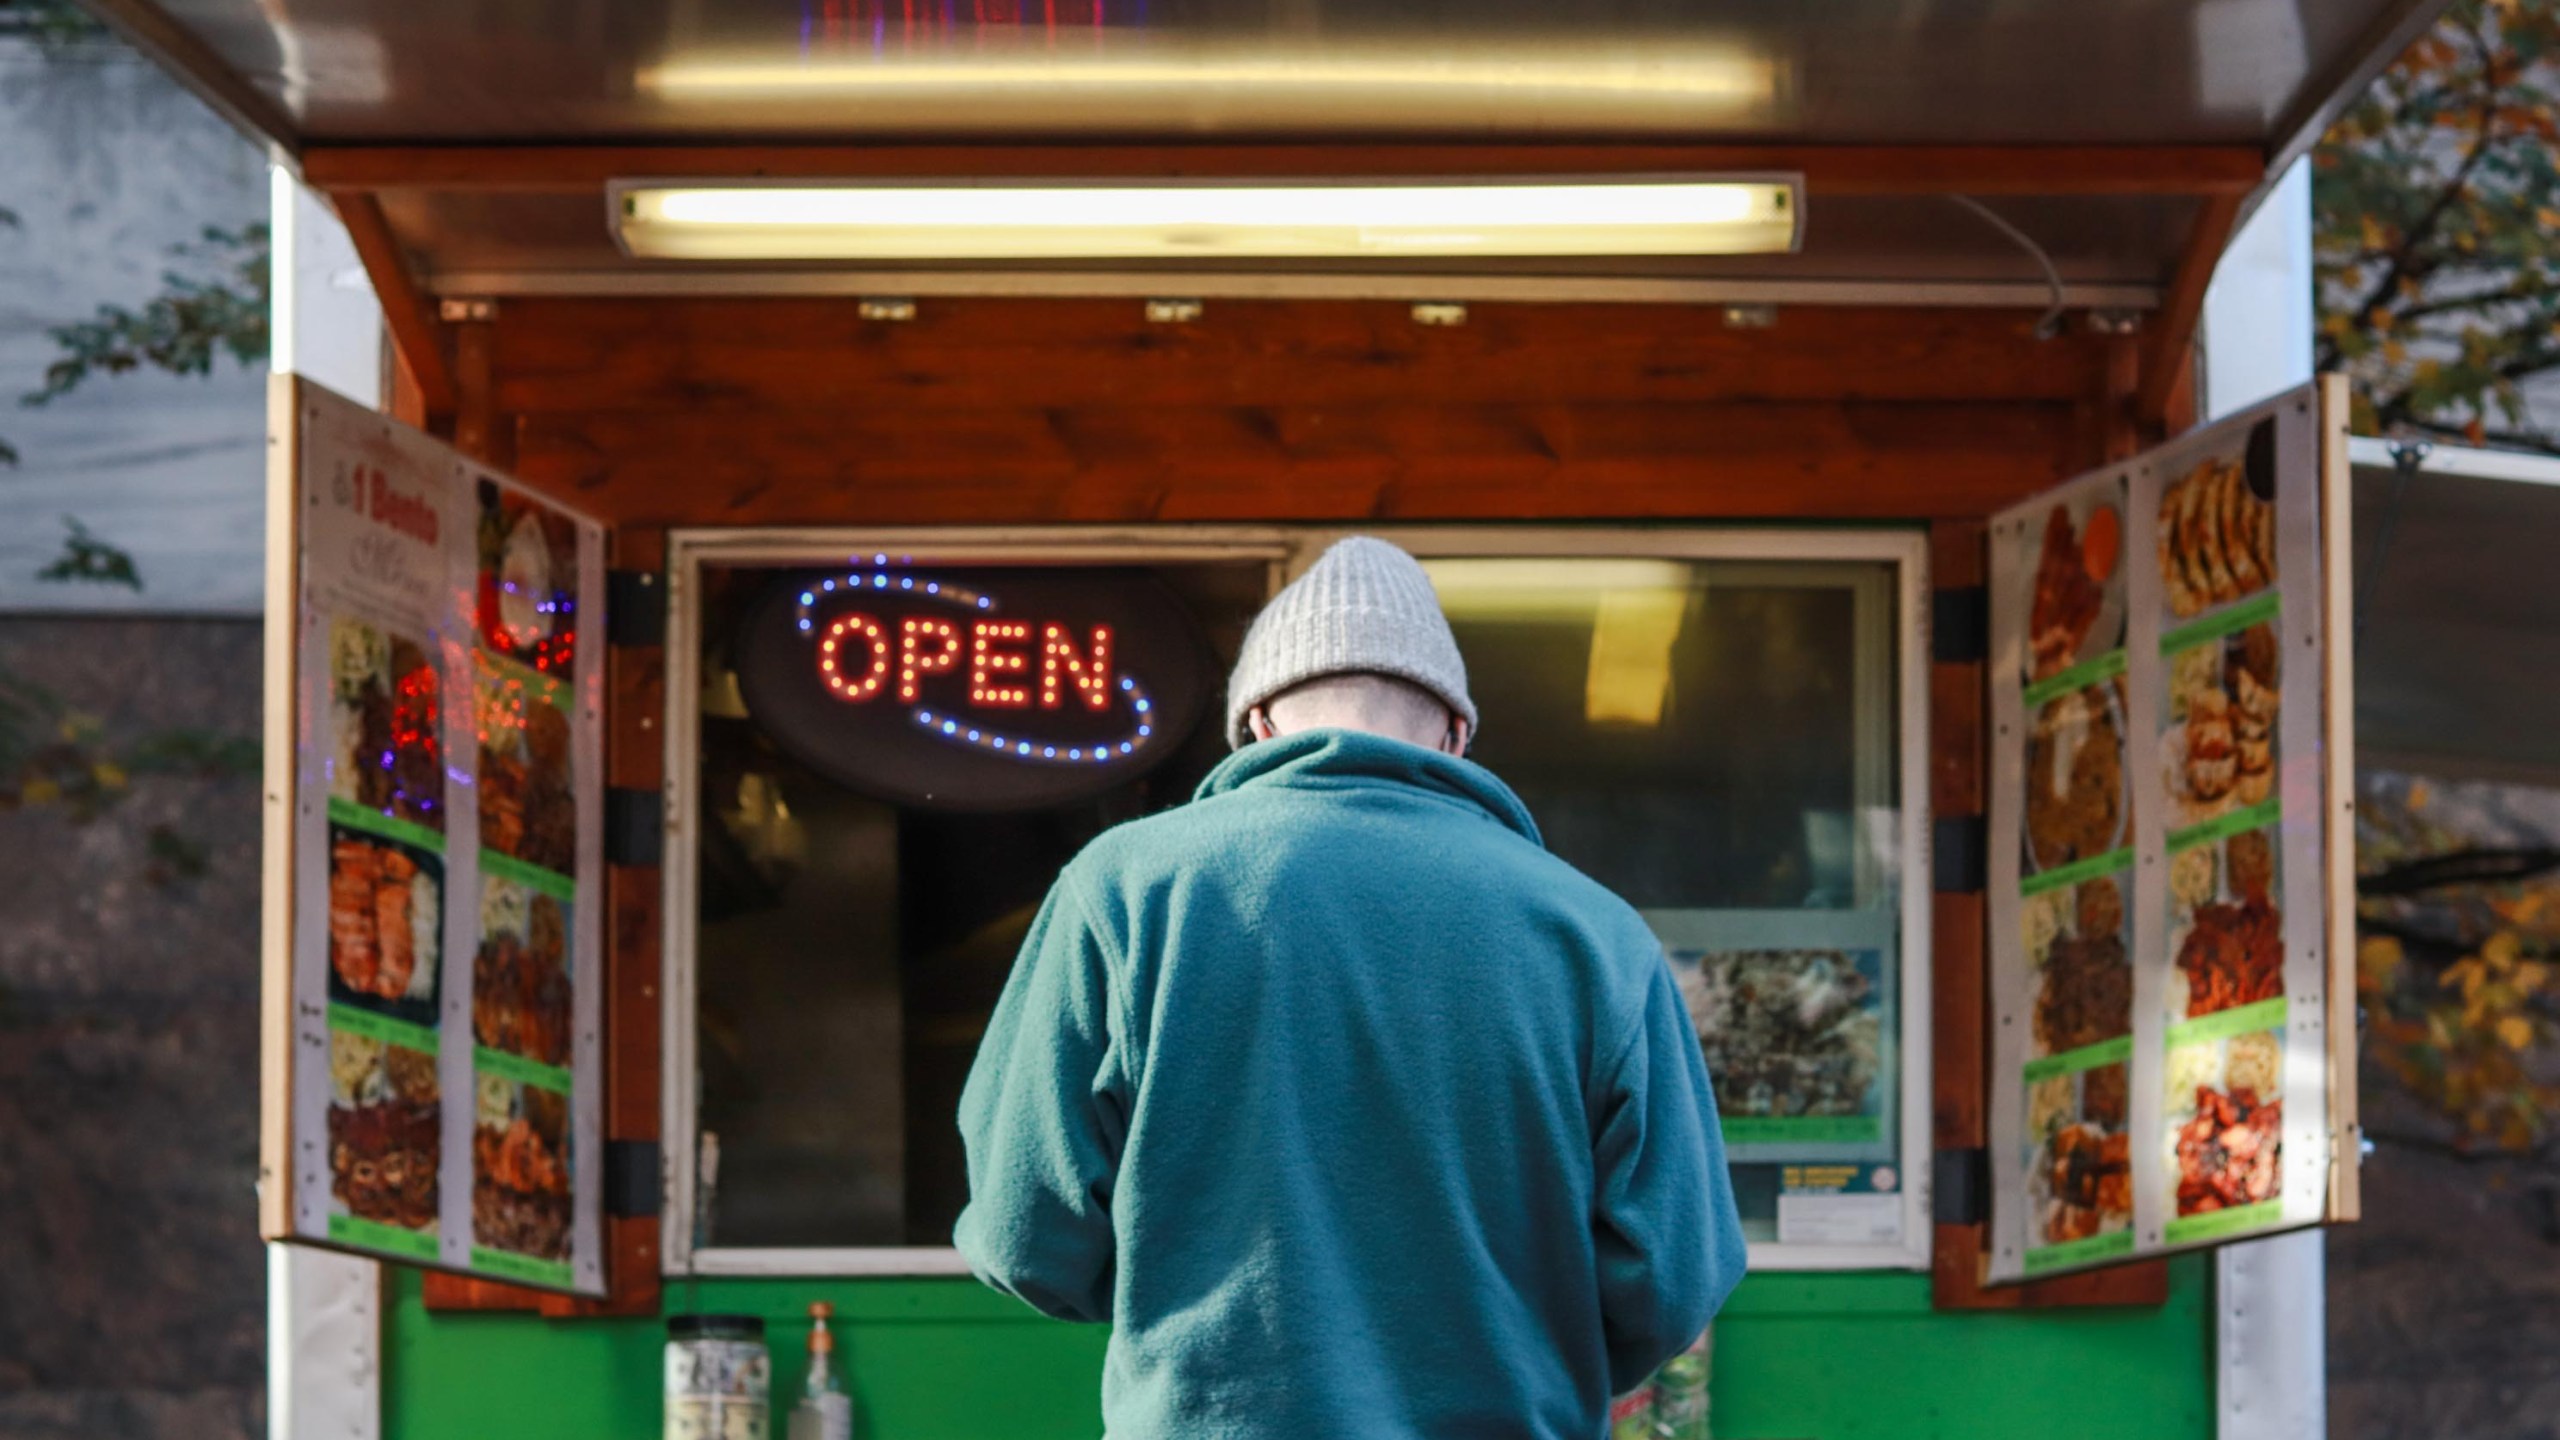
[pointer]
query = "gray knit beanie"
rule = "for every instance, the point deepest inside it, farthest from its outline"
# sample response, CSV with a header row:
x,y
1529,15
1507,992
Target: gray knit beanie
x,y
1364,607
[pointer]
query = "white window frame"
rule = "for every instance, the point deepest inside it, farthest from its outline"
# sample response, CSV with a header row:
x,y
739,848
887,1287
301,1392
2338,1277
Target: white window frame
x,y
1285,549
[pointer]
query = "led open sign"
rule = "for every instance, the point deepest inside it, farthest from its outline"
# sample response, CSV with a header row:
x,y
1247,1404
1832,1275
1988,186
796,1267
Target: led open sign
x,y
973,690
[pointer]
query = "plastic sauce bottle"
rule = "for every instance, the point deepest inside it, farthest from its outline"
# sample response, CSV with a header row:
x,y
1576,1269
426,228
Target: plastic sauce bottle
x,y
825,1411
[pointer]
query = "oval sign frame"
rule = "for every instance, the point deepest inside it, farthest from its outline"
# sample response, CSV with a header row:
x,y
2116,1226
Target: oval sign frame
x,y
894,719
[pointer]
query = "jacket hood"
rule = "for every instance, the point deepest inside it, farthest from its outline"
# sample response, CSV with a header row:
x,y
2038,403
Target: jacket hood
x,y
1324,759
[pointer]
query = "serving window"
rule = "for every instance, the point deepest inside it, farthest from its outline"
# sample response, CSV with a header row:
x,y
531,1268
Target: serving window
x,y
1719,725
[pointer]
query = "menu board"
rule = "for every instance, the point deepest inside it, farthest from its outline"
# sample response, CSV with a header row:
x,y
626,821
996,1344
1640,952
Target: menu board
x,y
435,855
2168,829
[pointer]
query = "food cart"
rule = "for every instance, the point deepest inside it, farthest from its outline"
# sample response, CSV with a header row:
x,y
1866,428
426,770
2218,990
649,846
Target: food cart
x,y
679,695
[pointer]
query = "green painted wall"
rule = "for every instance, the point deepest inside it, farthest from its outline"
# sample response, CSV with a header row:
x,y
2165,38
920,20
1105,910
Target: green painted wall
x,y
1798,1357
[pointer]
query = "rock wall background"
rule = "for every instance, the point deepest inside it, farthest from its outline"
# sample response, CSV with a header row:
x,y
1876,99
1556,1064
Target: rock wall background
x,y
132,1283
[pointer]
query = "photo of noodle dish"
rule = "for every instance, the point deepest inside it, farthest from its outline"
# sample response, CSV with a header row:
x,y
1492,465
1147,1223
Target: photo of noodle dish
x,y
2075,778
1787,1032
2080,1174
386,925
520,1168
2217,748
385,1134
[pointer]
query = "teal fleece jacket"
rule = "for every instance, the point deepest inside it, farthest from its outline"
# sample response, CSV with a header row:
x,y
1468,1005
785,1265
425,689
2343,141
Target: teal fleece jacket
x,y
1353,1109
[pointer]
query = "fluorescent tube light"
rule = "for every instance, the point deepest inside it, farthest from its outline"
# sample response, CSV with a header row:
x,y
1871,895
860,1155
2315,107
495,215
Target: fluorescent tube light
x,y
1696,215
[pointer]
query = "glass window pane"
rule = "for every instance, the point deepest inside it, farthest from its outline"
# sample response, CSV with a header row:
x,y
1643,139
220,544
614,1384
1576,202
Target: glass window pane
x,y
1716,742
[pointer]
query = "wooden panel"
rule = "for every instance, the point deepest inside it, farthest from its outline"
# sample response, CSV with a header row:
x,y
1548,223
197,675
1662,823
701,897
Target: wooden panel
x,y
572,355
1829,169
1275,463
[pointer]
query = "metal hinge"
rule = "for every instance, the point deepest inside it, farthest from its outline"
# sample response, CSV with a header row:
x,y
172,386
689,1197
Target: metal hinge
x,y
635,613
635,829
1960,625
1960,854
631,1178
1960,1187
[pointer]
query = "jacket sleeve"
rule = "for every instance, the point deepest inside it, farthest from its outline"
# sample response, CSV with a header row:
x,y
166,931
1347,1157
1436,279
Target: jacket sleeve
x,y
1042,1118
1665,1230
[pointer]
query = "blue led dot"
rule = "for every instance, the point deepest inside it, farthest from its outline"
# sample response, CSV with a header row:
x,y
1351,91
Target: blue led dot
x,y
907,584
804,624
1128,684
1124,747
1075,754
933,587
1048,752
1144,731
1142,707
984,602
973,734
925,715
830,585
948,727
808,599
1023,749
879,559
879,582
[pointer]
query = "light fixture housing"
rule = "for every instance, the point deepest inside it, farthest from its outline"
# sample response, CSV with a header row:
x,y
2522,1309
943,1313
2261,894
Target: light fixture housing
x,y
1155,220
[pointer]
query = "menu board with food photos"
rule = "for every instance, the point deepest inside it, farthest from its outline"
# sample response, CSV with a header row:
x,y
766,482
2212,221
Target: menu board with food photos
x,y
434,854
2170,931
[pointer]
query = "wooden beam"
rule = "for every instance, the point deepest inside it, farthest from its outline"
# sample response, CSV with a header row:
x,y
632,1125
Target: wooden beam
x,y
2226,170
406,309
2165,357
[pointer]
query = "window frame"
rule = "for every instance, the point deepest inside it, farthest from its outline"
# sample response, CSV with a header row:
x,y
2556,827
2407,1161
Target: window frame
x,y
1286,550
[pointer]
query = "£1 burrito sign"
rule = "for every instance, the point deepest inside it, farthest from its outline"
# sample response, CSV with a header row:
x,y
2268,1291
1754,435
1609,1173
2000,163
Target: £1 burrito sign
x,y
973,689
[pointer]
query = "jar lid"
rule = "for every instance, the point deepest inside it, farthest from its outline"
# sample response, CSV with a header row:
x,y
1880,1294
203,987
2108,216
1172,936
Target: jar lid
x,y
715,1327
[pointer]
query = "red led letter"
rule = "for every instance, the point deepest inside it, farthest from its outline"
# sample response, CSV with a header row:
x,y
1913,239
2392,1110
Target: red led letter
x,y
873,670
1090,671
914,660
985,661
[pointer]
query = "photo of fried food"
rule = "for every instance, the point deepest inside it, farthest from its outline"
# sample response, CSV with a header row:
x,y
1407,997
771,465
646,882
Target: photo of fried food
x,y
520,1169
2075,777
2230,1151
520,987
2081,1176
2217,538
385,1134
528,797
386,734
385,919
2074,567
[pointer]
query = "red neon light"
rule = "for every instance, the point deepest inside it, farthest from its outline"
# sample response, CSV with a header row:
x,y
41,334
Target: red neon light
x,y
986,662
875,668
1090,671
914,662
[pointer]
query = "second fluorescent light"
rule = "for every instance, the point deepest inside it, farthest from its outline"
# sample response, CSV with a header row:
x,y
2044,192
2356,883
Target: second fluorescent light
x,y
852,221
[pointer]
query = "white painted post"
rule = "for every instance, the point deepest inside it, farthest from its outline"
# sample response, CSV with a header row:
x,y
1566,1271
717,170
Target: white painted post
x,y
324,1320
2271,1296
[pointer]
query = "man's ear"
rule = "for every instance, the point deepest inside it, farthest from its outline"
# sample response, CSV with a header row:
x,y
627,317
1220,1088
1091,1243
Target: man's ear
x,y
1455,741
1258,724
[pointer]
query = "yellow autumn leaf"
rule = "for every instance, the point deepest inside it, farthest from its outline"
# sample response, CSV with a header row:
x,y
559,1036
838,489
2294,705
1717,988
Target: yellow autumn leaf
x,y
2375,238
2532,975
2548,218
2515,1032
2503,950
2393,352
2419,794
109,775
2377,956
40,792
2465,972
